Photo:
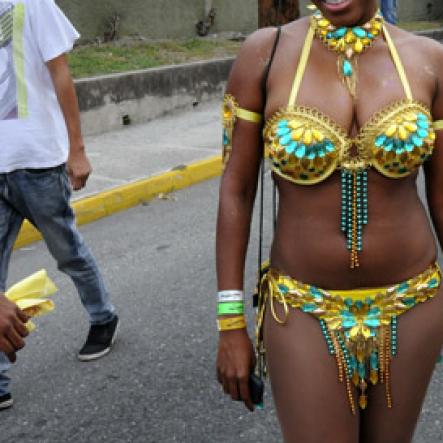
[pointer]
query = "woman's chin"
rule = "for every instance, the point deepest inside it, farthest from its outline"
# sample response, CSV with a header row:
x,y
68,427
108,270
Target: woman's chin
x,y
347,12
336,7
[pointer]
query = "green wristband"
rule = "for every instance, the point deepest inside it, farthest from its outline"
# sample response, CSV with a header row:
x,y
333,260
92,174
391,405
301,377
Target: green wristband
x,y
230,308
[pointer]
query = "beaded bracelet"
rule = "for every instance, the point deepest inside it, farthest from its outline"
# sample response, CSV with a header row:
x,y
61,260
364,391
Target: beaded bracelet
x,y
231,308
231,324
230,296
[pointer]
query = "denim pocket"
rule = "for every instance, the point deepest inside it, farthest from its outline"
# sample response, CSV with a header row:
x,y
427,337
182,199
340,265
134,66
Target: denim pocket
x,y
39,171
65,184
44,171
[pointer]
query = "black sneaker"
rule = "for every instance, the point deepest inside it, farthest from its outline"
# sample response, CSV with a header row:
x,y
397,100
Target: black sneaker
x,y
99,341
6,401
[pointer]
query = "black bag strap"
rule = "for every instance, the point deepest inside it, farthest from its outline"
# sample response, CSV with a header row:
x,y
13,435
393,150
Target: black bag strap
x,y
262,170
269,64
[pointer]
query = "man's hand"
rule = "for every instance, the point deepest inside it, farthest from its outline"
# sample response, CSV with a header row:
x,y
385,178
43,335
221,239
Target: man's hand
x,y
12,328
79,168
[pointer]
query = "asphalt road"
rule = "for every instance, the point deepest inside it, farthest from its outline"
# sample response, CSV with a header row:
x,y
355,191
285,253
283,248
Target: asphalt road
x,y
158,385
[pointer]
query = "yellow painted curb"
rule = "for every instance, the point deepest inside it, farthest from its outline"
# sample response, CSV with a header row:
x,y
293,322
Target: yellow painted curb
x,y
127,196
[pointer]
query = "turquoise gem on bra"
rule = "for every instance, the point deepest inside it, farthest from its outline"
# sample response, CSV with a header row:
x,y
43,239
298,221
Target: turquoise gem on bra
x,y
225,138
311,154
291,147
329,146
423,133
409,146
423,124
380,140
301,151
417,140
349,323
433,283
283,131
285,139
372,322
389,145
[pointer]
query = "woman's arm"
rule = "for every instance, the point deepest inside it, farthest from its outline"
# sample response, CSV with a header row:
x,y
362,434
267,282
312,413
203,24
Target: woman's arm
x,y
434,167
237,193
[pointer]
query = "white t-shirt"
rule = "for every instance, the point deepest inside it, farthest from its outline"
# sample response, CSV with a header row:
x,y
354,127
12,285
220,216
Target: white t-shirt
x,y
32,128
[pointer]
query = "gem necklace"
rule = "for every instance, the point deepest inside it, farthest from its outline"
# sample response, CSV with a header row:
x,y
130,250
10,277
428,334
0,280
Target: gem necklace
x,y
348,43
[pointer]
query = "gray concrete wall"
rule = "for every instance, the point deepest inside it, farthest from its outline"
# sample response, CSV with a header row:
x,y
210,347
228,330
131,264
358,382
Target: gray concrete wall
x,y
148,94
420,9
158,19
235,15
151,18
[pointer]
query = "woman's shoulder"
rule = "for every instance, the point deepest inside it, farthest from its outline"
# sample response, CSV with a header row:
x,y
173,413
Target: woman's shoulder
x,y
247,74
420,45
261,42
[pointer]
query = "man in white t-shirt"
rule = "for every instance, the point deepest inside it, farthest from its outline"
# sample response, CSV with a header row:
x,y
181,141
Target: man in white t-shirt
x,y
42,157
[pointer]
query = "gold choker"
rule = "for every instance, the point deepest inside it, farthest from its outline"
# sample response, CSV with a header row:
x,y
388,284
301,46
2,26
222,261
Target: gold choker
x,y
347,42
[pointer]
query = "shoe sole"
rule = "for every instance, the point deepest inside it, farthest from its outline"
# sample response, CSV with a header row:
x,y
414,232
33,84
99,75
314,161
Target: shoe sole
x,y
6,404
103,353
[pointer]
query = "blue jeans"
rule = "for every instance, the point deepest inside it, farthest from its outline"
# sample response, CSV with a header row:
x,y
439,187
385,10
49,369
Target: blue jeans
x,y
42,196
389,10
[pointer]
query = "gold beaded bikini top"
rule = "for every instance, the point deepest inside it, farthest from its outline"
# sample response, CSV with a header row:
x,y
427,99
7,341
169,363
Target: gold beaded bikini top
x,y
305,146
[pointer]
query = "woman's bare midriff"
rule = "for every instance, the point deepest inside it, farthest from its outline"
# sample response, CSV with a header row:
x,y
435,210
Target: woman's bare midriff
x,y
398,242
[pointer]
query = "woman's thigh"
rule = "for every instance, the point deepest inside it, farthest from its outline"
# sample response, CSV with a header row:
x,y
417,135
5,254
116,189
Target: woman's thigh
x,y
420,339
311,403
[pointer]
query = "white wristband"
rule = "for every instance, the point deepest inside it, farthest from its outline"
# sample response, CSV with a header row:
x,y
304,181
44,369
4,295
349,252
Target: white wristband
x,y
230,296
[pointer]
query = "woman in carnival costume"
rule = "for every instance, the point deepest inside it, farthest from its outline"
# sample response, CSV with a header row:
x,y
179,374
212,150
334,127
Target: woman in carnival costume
x,y
350,314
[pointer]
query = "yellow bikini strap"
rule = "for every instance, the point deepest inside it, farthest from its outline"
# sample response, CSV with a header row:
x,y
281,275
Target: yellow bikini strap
x,y
302,65
438,125
250,116
398,64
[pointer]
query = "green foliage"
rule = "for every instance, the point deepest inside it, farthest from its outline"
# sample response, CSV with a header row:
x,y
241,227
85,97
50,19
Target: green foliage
x,y
123,56
111,58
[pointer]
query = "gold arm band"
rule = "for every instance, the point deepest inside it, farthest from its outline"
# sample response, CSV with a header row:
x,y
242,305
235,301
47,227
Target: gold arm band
x,y
231,112
249,116
230,324
438,125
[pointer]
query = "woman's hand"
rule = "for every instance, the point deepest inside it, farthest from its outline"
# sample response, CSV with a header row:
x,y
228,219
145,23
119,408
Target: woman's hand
x,y
235,362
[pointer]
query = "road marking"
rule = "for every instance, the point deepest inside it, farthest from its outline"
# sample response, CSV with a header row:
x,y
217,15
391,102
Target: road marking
x,y
120,198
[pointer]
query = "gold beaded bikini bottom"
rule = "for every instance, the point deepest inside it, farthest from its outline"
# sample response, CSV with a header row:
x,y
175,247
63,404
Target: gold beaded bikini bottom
x,y
359,325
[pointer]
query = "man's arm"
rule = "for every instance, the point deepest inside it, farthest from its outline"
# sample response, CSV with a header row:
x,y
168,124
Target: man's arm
x,y
12,328
78,164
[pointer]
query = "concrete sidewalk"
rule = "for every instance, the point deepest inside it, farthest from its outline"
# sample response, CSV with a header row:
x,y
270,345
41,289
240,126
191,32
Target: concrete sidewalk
x,y
135,164
141,151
